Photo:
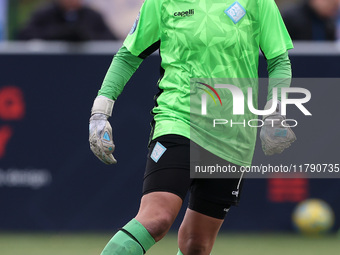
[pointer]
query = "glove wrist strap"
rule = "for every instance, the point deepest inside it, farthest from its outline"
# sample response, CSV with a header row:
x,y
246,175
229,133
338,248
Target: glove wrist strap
x,y
275,111
102,105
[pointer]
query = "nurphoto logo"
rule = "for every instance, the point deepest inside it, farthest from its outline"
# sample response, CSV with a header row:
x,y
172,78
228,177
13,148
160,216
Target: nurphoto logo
x,y
238,104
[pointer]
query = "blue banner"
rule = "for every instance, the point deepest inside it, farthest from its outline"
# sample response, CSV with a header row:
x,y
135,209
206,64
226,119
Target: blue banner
x,y
50,180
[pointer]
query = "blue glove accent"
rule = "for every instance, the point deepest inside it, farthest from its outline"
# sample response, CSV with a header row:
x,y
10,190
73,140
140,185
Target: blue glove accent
x,y
107,137
281,132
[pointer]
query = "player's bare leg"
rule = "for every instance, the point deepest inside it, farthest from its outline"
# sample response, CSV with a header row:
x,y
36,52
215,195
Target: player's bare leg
x,y
197,233
158,211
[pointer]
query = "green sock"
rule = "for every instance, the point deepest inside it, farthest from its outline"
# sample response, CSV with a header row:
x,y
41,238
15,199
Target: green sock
x,y
179,252
132,239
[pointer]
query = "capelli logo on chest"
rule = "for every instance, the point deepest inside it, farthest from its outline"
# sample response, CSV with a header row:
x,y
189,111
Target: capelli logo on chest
x,y
188,13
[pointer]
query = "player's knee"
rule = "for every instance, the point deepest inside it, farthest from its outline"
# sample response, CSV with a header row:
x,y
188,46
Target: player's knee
x,y
159,225
196,246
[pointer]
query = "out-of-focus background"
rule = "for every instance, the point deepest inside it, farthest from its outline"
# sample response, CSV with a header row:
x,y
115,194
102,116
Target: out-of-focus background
x,y
57,198
320,16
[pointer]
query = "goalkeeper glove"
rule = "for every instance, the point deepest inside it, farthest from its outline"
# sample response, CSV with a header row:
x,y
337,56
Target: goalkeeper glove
x,y
100,133
274,136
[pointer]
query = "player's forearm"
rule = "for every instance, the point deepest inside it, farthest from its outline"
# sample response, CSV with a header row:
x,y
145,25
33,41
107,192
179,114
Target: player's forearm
x,y
123,66
280,74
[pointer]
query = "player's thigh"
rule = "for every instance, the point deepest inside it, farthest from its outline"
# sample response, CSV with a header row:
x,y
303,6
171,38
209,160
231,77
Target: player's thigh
x,y
167,167
214,197
166,182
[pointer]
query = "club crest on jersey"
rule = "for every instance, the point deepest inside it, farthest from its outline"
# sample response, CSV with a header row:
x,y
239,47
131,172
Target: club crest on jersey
x,y
235,12
133,29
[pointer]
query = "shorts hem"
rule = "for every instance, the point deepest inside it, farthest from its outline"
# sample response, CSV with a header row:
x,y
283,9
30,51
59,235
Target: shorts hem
x,y
165,168
163,190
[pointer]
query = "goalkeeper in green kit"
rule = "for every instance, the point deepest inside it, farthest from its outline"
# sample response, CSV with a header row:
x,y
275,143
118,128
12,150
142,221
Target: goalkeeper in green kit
x,y
207,39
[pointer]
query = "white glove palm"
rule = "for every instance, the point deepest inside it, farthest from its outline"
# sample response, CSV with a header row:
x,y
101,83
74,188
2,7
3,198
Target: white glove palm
x,y
100,133
100,138
274,136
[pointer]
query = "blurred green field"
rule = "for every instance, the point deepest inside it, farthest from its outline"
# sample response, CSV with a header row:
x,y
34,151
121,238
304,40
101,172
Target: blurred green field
x,y
229,243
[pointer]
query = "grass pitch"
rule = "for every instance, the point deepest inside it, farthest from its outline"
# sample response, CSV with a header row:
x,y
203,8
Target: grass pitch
x,y
227,243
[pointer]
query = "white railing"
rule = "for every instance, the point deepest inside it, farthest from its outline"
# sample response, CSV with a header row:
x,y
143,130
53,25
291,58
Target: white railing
x,y
110,47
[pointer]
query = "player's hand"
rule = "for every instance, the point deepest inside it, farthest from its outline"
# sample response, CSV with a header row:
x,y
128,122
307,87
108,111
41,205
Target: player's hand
x,y
274,136
100,138
100,131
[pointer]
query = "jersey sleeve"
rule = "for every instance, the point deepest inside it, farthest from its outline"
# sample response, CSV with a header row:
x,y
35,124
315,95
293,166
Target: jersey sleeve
x,y
123,66
280,74
144,37
274,37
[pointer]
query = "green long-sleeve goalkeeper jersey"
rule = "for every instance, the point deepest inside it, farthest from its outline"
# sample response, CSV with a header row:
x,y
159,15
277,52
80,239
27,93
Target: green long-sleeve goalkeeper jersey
x,y
204,39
